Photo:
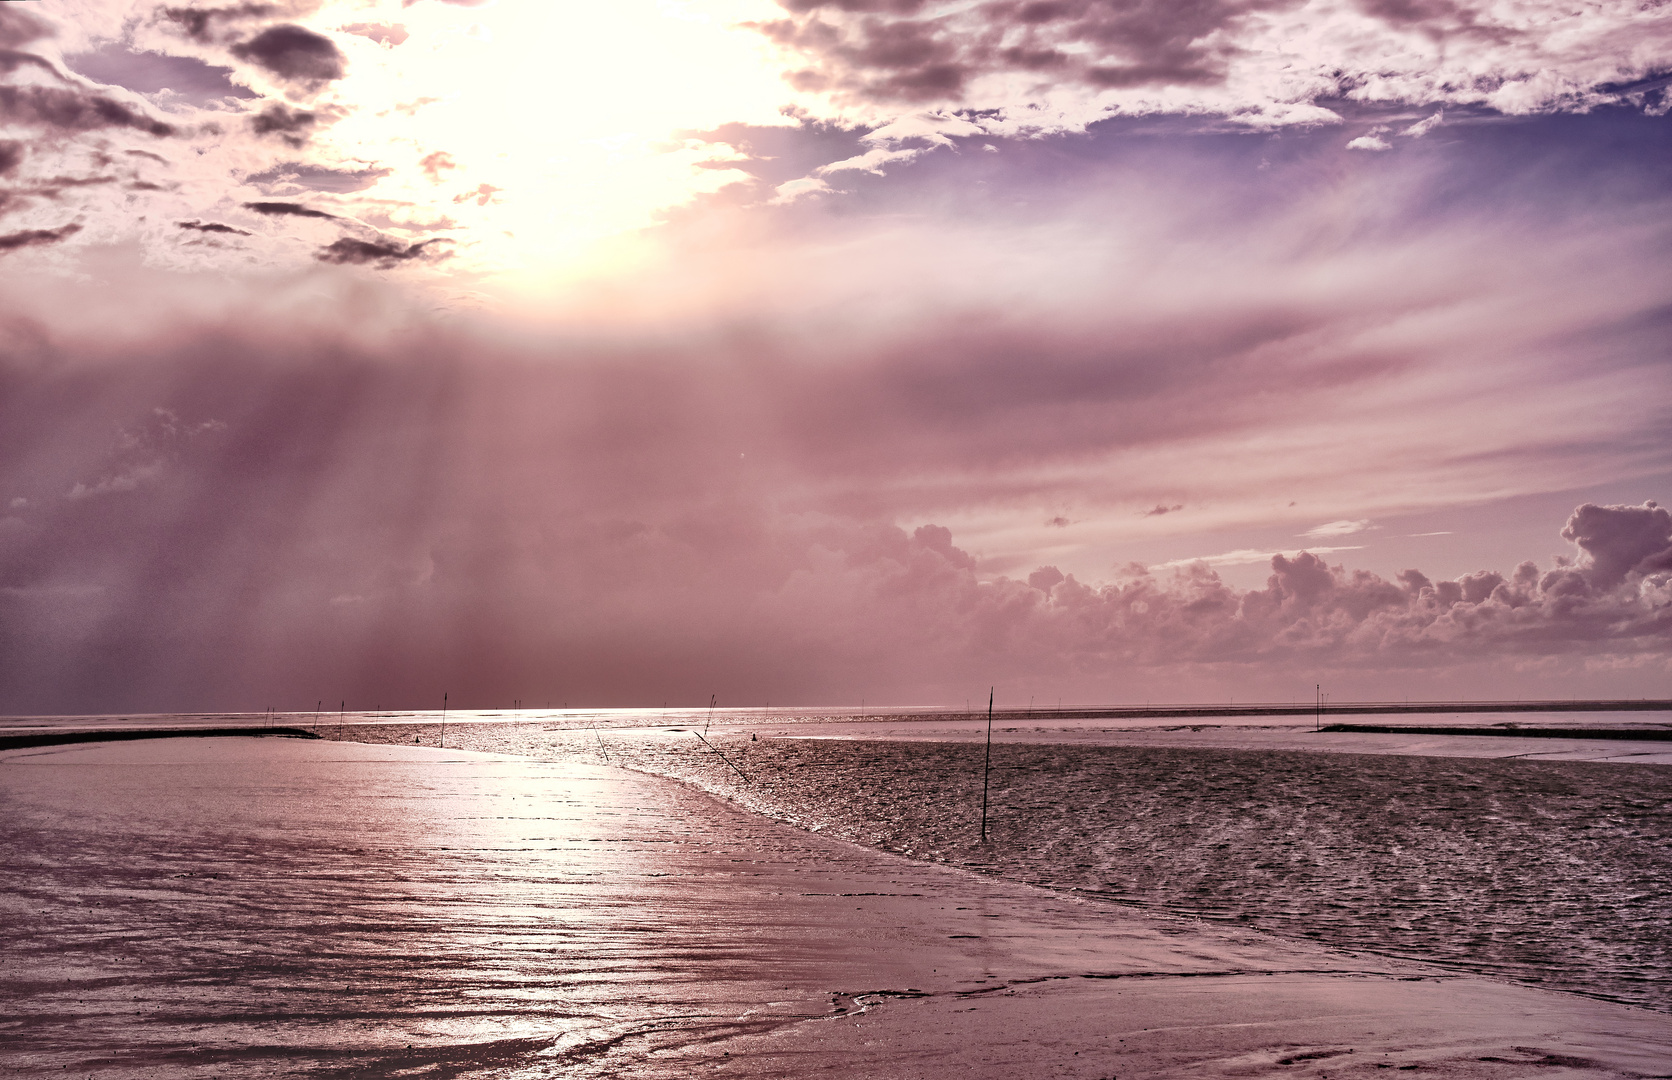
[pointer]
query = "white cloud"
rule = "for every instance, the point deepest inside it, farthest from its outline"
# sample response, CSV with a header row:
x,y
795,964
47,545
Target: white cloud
x,y
1423,127
1331,529
801,188
1370,142
1248,556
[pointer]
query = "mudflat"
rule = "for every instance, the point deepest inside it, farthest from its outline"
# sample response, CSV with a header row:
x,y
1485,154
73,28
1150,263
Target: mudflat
x,y
198,907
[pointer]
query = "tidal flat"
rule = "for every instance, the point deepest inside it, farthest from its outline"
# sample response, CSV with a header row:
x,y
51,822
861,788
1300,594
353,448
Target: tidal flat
x,y
197,907
1548,873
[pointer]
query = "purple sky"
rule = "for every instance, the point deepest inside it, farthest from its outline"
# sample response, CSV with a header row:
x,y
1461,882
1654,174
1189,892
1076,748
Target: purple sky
x,y
804,352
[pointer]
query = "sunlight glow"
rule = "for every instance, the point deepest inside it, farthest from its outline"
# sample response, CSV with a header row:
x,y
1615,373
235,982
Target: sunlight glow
x,y
551,130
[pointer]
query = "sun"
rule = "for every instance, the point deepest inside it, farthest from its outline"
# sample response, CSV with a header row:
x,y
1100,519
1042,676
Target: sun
x,y
551,132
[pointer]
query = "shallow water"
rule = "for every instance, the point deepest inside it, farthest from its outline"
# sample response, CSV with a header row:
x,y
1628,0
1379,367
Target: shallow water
x,y
1551,873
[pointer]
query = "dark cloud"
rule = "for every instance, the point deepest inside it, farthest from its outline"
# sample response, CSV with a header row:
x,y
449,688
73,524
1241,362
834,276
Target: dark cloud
x,y
383,254
1282,53
317,177
151,73
1162,508
1621,540
19,26
1046,578
57,185
369,524
1436,19
294,54
11,60
36,237
284,209
909,52
12,154
73,110
201,23
210,227
290,125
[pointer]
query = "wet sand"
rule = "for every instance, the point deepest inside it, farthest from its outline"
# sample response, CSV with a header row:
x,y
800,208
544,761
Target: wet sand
x,y
1552,866
199,908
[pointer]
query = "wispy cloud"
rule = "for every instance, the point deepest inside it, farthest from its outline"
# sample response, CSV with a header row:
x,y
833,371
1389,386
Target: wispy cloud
x,y
1331,529
1249,556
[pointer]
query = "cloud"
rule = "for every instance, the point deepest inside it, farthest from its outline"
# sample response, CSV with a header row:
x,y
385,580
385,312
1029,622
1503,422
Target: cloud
x,y
627,517
144,454
202,23
436,163
1619,541
211,227
1250,556
1423,127
36,237
481,196
294,54
1046,578
923,52
1162,508
1270,62
73,110
1337,528
1369,142
291,125
383,254
18,26
12,154
284,209
390,34
294,174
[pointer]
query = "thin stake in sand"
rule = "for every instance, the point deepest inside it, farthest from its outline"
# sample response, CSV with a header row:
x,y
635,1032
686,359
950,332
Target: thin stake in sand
x,y
723,757
444,720
987,766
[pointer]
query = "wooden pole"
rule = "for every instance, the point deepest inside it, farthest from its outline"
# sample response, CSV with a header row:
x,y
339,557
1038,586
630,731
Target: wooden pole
x,y
444,720
987,766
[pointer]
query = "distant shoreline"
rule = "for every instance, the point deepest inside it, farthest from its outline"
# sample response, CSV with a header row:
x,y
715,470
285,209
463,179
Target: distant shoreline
x,y
59,738
1367,708
1509,730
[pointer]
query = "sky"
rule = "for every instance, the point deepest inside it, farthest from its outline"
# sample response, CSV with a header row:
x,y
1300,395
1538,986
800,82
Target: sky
x,y
816,351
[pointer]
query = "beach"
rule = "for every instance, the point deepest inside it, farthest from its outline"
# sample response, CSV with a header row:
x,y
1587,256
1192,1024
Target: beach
x,y
193,906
